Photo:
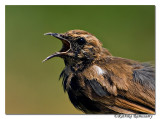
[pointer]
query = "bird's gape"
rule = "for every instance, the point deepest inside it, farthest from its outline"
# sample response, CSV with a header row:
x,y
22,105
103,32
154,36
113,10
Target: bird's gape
x,y
66,46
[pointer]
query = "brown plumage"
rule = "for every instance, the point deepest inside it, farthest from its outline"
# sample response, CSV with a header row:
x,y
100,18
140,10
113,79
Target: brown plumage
x,y
100,83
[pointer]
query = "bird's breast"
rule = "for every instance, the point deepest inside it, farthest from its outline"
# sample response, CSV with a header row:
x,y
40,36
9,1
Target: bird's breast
x,y
76,80
72,80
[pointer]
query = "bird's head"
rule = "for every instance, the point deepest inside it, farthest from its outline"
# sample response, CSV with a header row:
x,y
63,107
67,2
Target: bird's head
x,y
77,45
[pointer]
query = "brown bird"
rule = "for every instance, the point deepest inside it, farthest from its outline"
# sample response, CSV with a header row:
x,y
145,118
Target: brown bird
x,y
99,83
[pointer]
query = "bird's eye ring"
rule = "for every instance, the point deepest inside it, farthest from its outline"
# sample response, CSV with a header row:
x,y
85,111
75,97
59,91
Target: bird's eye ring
x,y
81,41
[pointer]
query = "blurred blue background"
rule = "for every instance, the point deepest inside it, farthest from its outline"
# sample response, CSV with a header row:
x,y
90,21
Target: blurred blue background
x,y
32,87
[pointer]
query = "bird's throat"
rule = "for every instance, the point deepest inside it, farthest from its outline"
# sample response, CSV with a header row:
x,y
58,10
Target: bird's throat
x,y
77,65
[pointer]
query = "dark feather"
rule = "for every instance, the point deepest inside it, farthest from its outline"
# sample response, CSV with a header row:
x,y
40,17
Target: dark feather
x,y
82,102
145,76
98,89
61,75
64,79
87,105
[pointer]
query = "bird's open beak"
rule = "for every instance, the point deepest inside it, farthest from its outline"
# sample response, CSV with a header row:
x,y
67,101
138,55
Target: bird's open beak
x,y
65,48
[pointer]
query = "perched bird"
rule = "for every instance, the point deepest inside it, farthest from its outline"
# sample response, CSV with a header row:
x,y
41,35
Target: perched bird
x,y
99,83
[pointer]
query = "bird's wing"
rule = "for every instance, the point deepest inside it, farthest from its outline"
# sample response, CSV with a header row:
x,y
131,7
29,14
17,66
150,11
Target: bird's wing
x,y
130,83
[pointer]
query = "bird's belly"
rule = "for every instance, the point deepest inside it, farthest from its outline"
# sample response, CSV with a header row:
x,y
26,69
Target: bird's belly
x,y
79,99
79,96
87,105
84,103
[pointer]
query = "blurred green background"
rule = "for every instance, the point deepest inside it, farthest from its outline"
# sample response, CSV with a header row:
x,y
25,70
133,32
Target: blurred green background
x,y
32,87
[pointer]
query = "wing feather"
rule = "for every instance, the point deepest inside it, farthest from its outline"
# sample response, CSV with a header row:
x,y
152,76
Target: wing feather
x,y
133,82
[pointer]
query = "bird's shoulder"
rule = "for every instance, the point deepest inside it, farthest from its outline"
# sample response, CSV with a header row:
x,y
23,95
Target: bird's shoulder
x,y
115,73
112,73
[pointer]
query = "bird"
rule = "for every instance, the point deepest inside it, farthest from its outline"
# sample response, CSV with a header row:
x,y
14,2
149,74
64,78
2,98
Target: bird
x,y
99,83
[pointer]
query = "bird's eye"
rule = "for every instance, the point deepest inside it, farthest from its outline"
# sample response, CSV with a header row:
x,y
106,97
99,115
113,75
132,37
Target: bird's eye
x,y
81,41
